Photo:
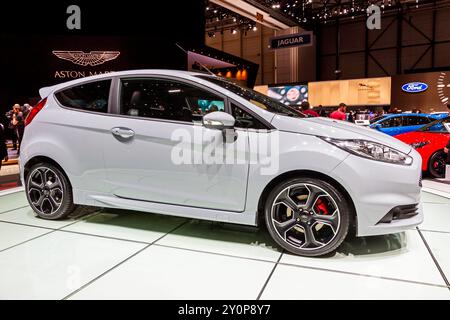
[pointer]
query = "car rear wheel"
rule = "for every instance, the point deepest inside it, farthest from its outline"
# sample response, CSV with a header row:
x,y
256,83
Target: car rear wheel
x,y
436,165
307,216
49,192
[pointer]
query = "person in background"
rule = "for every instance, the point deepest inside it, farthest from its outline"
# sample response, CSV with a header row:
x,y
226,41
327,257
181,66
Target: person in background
x,y
322,112
18,124
10,116
352,116
213,108
26,110
339,114
393,111
3,150
379,113
305,108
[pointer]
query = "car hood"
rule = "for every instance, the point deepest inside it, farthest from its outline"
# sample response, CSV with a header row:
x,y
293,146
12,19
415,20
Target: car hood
x,y
326,127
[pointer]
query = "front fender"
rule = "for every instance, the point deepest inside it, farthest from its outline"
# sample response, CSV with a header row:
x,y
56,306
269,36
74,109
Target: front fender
x,y
296,152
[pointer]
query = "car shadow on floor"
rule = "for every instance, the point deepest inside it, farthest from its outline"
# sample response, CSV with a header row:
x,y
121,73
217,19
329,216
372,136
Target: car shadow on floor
x,y
81,212
233,234
360,246
191,228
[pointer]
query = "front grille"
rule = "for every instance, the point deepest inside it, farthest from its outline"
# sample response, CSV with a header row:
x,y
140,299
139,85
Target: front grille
x,y
401,213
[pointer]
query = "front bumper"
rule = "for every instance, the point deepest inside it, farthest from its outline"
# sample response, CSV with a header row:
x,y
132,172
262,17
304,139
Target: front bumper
x,y
401,213
378,188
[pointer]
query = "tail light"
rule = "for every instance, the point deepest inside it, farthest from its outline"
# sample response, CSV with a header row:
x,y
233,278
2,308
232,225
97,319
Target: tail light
x,y
35,111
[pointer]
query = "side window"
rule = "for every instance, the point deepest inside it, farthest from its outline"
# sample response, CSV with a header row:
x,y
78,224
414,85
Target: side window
x,y
167,99
245,120
392,122
416,121
91,96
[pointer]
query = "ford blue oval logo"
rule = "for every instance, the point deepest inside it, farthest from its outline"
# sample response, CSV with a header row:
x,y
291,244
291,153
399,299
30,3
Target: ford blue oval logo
x,y
415,87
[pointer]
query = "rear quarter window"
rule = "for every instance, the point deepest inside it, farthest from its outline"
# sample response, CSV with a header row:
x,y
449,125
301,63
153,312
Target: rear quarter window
x,y
92,96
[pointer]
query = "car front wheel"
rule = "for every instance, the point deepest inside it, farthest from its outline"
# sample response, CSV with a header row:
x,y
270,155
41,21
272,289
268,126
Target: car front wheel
x,y
49,192
307,216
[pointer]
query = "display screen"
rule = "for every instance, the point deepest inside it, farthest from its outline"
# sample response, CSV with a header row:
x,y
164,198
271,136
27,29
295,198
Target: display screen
x,y
210,106
289,95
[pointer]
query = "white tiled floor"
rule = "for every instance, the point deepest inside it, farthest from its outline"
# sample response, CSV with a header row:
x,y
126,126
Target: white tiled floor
x,y
440,246
223,239
13,234
323,285
54,265
26,216
112,254
392,259
13,201
437,217
167,273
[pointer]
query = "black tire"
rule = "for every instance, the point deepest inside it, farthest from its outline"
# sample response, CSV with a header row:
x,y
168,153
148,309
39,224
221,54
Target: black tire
x,y
332,234
57,202
436,164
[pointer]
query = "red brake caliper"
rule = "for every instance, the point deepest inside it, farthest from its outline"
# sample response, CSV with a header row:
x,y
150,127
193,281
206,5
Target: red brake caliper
x,y
321,207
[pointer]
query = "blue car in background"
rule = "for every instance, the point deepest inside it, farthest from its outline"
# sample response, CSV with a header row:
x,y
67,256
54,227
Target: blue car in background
x,y
394,124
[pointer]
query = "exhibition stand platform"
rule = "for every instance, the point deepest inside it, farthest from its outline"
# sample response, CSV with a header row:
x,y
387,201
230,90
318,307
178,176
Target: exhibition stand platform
x,y
440,187
117,254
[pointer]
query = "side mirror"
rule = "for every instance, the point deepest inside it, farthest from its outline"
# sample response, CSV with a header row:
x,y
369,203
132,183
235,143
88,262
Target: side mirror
x,y
219,121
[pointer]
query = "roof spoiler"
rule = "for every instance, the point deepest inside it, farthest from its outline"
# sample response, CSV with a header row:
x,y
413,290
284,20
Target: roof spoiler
x,y
45,92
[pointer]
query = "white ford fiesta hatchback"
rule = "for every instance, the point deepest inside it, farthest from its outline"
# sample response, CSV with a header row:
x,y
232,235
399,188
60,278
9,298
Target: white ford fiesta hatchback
x,y
195,145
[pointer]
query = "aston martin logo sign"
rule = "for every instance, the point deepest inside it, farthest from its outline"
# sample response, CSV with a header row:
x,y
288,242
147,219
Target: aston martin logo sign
x,y
93,58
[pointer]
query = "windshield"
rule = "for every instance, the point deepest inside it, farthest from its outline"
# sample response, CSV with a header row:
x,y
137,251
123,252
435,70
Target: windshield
x,y
256,98
440,126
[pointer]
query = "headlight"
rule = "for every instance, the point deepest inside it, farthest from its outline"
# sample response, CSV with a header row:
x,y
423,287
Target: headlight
x,y
372,150
419,145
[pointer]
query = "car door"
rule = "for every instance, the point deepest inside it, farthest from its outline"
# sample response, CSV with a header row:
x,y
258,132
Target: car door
x,y
159,151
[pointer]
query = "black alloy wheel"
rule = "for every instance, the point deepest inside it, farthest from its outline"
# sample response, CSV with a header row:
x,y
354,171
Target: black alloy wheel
x,y
307,216
49,192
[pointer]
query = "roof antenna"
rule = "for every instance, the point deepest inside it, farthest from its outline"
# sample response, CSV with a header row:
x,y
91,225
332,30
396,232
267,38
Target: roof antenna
x,y
200,64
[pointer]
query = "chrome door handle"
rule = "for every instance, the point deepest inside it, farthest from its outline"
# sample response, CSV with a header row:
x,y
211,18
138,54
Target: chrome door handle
x,y
124,133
